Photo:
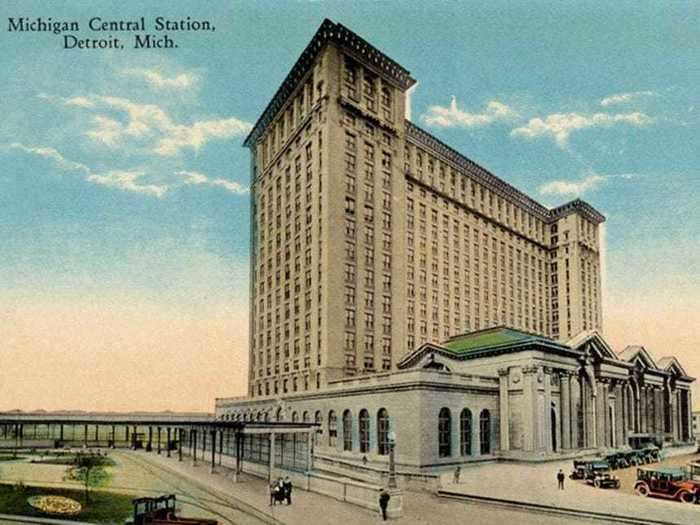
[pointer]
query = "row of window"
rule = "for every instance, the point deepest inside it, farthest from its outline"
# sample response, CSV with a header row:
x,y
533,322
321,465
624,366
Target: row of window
x,y
465,432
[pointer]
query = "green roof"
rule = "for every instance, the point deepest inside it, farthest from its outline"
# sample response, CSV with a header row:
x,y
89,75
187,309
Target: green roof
x,y
490,337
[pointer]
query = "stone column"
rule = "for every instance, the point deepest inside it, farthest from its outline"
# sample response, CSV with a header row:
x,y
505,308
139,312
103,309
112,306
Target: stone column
x,y
645,409
619,415
271,467
503,413
592,405
601,410
476,433
662,410
455,449
674,414
529,421
691,435
565,410
547,378
575,399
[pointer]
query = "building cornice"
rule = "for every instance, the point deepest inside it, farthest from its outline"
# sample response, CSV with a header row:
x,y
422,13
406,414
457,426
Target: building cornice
x,y
346,39
421,137
577,206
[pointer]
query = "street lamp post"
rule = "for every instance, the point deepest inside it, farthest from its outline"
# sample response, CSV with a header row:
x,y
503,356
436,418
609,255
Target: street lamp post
x,y
392,464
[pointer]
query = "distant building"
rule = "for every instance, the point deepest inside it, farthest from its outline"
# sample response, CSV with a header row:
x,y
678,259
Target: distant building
x,y
397,285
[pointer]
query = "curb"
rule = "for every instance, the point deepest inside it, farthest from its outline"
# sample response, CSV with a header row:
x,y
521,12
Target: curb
x,y
548,509
16,518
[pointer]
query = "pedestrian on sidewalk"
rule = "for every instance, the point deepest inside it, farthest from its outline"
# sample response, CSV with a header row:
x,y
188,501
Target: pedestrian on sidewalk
x,y
458,471
276,491
384,498
287,487
560,479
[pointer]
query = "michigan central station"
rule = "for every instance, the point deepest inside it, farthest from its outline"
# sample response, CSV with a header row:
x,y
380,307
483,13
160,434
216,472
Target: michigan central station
x,y
401,293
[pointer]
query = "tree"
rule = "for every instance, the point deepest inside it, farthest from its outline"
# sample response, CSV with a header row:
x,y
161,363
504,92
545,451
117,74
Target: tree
x,y
89,469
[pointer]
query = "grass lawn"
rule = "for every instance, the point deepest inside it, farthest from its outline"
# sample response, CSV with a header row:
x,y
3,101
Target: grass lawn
x,y
10,458
104,507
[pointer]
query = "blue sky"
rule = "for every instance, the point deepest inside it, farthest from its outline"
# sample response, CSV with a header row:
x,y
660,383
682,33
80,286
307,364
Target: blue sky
x,y
124,186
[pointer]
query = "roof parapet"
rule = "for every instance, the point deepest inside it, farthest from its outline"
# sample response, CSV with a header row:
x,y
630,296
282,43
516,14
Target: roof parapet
x,y
329,31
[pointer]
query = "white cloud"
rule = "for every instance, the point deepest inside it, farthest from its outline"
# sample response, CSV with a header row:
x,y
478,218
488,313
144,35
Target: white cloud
x,y
179,136
128,180
157,80
623,98
231,186
150,122
107,130
572,188
576,188
453,117
197,178
52,154
193,177
81,102
559,126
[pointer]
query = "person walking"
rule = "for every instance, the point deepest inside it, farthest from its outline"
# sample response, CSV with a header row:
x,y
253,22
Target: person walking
x,y
287,487
384,498
560,479
276,493
458,472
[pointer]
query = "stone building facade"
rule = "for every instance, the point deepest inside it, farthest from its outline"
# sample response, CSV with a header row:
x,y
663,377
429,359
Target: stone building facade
x,y
495,393
371,237
372,241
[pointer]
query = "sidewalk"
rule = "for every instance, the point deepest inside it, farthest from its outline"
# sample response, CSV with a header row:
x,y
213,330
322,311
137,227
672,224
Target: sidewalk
x,y
536,484
314,509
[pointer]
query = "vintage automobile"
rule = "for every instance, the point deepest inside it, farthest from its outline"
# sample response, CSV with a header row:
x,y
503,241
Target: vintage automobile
x,y
579,469
669,483
597,473
694,470
635,457
617,460
651,455
161,510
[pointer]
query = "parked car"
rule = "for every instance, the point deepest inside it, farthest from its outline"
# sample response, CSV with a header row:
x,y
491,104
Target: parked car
x,y
617,460
669,483
651,455
635,457
579,469
598,474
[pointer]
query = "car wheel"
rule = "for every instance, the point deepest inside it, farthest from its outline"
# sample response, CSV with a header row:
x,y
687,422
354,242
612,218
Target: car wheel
x,y
596,483
642,490
686,497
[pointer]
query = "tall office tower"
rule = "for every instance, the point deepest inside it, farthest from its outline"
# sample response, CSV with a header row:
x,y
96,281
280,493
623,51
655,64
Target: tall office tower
x,y
370,236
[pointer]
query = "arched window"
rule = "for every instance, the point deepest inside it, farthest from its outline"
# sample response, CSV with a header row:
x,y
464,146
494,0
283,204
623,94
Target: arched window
x,y
332,429
465,432
347,430
318,418
364,430
485,431
444,433
383,431
267,417
295,417
305,417
278,415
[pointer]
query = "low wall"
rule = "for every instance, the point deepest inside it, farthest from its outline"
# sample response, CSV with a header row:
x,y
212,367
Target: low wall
x,y
356,492
370,474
